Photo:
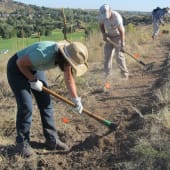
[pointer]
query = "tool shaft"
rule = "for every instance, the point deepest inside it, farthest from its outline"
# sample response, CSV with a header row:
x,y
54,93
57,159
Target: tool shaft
x,y
95,116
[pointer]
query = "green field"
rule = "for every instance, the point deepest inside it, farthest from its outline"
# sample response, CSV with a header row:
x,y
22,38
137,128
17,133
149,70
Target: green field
x,y
15,44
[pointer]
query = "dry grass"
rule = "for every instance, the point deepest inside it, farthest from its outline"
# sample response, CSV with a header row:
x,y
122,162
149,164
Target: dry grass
x,y
152,147
152,141
95,47
138,43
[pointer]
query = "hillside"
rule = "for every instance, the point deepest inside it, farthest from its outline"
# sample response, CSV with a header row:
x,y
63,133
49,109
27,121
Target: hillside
x,y
19,19
9,6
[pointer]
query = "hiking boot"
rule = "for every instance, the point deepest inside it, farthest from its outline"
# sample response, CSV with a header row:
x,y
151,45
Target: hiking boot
x,y
56,145
24,149
125,76
154,37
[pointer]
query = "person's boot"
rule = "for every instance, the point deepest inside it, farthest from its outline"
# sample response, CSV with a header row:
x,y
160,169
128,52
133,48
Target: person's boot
x,y
24,149
56,144
125,76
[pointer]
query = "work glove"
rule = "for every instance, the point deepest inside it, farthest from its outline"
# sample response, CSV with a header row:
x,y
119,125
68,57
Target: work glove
x,y
78,105
122,47
105,36
162,22
36,85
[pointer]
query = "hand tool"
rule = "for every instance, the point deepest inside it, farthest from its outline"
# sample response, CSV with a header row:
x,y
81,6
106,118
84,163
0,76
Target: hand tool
x,y
108,123
147,67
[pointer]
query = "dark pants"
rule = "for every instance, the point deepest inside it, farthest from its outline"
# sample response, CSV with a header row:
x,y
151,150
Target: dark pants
x,y
23,95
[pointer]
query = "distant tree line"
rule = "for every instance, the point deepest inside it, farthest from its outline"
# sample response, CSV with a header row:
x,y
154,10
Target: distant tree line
x,y
43,20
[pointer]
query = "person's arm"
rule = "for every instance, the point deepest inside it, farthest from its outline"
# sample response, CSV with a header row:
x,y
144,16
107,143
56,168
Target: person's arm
x,y
71,86
160,16
122,35
102,29
162,20
69,81
24,64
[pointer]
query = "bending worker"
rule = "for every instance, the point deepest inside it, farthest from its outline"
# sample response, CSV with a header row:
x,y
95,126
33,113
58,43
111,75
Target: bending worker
x,y
158,15
25,73
111,26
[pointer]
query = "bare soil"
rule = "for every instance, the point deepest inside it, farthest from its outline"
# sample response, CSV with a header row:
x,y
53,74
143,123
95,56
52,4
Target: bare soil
x,y
92,144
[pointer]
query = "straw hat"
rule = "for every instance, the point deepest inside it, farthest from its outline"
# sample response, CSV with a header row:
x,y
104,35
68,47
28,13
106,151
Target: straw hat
x,y
76,54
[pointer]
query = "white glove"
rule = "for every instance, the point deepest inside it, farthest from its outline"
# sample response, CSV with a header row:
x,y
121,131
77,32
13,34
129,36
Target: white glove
x,y
36,85
78,105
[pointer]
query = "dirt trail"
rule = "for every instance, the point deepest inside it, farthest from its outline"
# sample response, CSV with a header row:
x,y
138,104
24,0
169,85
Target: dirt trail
x,y
93,145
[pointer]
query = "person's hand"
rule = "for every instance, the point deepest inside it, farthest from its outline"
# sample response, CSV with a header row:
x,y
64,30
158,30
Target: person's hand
x,y
105,36
162,22
122,46
36,85
78,105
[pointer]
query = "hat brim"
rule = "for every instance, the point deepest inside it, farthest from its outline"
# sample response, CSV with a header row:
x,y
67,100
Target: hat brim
x,y
79,69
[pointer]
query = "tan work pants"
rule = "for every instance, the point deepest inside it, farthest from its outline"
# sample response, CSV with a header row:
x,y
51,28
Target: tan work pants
x,y
109,52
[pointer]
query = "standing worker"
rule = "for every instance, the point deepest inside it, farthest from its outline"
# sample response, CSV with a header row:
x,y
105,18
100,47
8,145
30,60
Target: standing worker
x,y
111,26
25,73
158,15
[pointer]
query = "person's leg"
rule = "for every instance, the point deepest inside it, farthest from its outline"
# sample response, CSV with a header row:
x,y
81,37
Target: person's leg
x,y
21,89
155,29
108,58
46,110
120,59
44,103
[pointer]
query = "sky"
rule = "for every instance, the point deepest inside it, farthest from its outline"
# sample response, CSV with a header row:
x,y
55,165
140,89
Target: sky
x,y
126,5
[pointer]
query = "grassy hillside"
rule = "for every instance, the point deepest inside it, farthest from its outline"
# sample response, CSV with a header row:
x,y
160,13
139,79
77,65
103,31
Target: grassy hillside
x,y
9,6
15,44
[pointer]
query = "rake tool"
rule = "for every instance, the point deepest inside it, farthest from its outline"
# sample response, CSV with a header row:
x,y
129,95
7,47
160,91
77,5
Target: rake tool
x,y
108,123
147,67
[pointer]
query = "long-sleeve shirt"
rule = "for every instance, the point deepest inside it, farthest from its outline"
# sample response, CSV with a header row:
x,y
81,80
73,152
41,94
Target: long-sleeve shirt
x,y
158,15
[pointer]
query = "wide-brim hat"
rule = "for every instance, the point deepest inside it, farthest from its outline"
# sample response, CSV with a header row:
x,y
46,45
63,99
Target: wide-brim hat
x,y
105,11
76,54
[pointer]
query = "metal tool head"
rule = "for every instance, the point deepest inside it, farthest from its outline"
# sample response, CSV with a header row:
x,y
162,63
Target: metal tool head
x,y
148,67
113,126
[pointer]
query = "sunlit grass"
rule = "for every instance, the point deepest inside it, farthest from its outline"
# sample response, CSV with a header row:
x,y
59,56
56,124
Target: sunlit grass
x,y
15,44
